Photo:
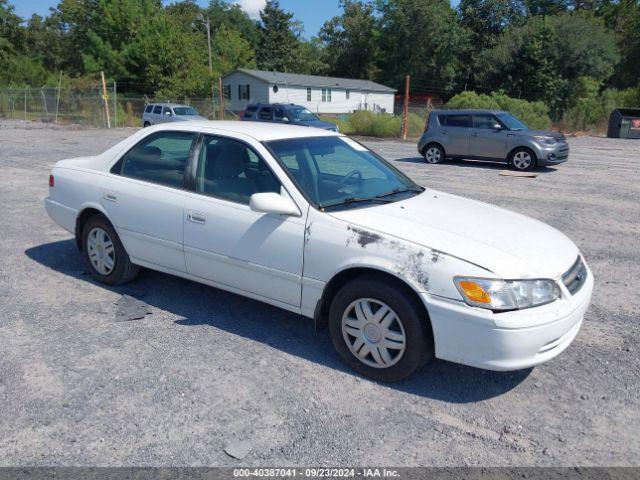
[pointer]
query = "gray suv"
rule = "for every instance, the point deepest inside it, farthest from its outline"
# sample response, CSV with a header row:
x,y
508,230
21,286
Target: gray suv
x,y
285,113
489,135
155,113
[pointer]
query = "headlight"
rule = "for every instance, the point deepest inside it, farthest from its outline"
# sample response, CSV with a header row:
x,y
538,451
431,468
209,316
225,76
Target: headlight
x,y
545,140
495,294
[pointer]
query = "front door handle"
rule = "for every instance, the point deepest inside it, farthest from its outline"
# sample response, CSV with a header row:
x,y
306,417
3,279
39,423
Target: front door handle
x,y
197,217
475,134
110,196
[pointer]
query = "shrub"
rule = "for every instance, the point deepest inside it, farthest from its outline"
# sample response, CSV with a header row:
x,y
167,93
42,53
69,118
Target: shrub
x,y
534,114
364,122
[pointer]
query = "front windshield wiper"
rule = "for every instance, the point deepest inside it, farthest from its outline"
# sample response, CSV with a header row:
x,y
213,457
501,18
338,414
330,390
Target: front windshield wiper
x,y
400,190
350,200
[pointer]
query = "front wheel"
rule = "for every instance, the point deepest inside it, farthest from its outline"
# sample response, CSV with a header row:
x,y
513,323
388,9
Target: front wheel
x,y
379,330
433,153
523,159
104,254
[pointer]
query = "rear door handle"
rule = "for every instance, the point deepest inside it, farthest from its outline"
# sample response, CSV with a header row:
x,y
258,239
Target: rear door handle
x,y
444,132
111,196
197,217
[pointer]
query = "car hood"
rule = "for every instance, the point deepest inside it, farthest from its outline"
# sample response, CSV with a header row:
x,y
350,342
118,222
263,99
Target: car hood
x,y
506,243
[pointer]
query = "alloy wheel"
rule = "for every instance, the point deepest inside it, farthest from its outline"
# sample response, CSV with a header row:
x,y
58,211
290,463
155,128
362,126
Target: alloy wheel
x,y
432,155
522,160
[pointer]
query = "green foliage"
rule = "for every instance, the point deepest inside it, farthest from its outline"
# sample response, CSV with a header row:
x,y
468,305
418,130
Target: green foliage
x,y
422,38
350,40
278,41
534,114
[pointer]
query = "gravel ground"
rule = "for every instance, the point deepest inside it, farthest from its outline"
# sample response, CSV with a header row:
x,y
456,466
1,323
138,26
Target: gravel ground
x,y
209,370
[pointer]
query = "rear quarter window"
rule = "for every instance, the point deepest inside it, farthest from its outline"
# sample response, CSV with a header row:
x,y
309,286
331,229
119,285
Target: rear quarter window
x,y
148,109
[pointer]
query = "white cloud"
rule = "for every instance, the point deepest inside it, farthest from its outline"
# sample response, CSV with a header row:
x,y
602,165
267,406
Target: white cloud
x,y
252,7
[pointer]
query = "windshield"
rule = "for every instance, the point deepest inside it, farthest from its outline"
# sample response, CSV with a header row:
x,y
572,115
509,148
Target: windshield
x,y
511,122
337,171
185,111
301,115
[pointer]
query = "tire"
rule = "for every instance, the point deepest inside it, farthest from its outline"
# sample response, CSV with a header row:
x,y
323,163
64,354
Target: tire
x,y
523,159
433,153
104,255
405,318
146,124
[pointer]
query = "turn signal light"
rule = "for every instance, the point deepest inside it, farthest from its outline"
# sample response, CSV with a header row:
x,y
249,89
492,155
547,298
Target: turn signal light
x,y
475,292
51,181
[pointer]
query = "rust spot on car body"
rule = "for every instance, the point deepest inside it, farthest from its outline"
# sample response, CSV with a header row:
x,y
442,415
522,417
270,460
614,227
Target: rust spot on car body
x,y
363,237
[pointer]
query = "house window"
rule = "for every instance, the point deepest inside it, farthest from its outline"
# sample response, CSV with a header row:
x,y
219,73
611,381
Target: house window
x,y
243,92
226,92
348,94
326,95
308,94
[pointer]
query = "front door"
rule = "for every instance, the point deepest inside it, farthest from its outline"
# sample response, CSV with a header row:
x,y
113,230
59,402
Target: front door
x,y
228,243
144,197
487,141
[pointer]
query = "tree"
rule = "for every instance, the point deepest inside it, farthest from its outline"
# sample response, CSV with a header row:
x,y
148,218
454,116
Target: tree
x,y
349,41
489,18
231,51
422,38
544,59
233,17
279,41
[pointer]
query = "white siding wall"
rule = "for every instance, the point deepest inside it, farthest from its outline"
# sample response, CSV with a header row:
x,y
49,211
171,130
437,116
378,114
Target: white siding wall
x,y
263,93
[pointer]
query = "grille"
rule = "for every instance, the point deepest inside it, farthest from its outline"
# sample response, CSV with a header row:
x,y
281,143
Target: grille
x,y
575,277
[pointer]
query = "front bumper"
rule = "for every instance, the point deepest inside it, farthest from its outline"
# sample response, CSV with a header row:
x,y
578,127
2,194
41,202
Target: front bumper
x,y
552,154
508,340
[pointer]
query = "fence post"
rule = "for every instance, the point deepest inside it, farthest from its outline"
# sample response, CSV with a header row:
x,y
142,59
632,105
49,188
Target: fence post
x,y
405,109
221,94
25,105
58,97
115,106
105,99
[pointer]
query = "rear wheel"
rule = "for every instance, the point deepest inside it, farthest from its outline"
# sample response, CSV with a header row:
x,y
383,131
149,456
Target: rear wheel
x,y
379,330
146,124
433,153
523,159
104,254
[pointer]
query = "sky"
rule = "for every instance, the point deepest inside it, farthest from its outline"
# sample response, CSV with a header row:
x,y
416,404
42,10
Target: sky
x,y
309,12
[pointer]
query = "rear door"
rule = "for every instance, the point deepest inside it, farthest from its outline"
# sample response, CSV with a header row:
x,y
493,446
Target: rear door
x,y
455,130
144,197
265,114
486,140
157,114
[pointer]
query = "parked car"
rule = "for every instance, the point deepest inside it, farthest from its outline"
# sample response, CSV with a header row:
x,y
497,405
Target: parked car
x,y
285,113
490,135
155,113
313,222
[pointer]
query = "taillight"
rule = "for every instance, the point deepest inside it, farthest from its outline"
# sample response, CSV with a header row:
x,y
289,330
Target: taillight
x,y
51,181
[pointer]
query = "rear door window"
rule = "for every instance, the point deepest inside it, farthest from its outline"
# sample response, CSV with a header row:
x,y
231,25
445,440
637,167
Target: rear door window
x,y
157,110
461,121
148,109
265,113
160,158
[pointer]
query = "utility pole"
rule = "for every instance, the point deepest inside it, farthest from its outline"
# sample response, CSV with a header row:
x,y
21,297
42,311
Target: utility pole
x,y
115,105
105,99
213,90
405,109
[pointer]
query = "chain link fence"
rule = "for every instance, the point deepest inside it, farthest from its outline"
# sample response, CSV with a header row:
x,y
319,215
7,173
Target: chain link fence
x,y
87,107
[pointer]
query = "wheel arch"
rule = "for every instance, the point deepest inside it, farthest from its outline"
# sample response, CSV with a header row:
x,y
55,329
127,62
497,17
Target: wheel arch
x,y
84,214
522,147
351,273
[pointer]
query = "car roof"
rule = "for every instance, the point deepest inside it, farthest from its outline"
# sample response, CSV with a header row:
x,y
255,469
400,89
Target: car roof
x,y
172,105
466,111
261,131
274,105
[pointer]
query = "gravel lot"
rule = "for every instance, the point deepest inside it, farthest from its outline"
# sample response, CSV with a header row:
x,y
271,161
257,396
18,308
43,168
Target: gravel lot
x,y
208,369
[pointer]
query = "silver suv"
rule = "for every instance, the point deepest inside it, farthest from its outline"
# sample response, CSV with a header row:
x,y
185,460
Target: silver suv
x,y
489,135
155,113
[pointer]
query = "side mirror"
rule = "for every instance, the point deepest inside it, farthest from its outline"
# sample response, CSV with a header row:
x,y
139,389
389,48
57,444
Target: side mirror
x,y
168,113
285,119
497,126
271,202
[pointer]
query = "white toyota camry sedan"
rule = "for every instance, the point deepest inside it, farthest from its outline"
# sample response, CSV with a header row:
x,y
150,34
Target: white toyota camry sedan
x,y
314,222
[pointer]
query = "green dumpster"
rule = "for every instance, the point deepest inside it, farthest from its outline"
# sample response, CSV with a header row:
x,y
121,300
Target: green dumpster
x,y
624,123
